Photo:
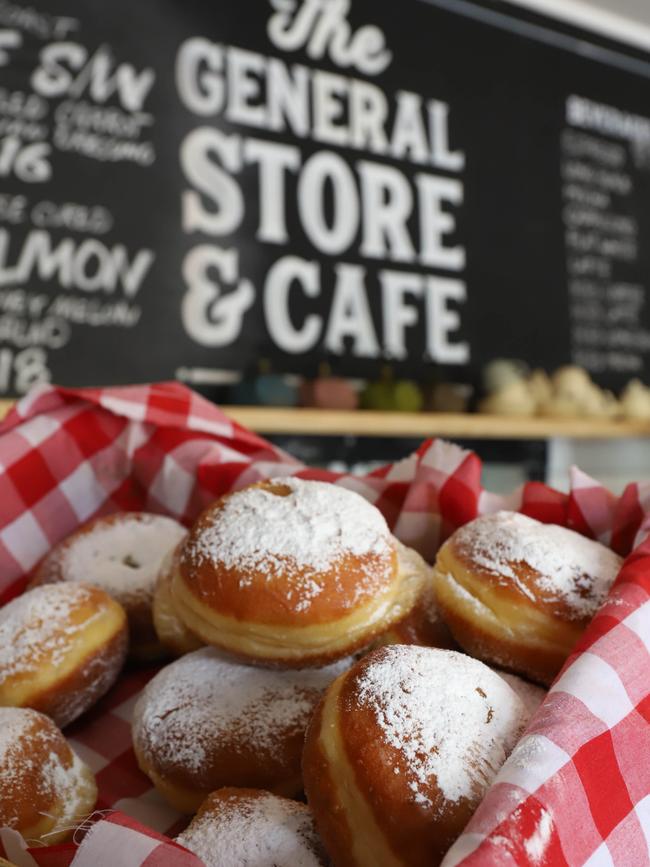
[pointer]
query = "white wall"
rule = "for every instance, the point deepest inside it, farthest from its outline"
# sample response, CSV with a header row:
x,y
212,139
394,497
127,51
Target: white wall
x,y
626,20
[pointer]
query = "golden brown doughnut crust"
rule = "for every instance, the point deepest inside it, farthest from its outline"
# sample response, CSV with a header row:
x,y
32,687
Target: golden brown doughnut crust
x,y
170,629
512,613
419,628
540,660
278,612
369,804
423,625
302,646
44,788
73,695
235,591
128,578
410,835
62,647
206,721
298,647
322,793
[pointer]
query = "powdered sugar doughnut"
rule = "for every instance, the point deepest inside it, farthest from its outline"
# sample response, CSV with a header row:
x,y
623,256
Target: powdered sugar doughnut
x,y
518,594
252,827
45,789
423,625
122,554
401,751
170,629
62,647
292,573
531,696
206,721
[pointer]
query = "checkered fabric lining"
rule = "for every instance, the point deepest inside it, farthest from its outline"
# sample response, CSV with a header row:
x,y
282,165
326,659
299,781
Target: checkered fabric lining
x,y
575,791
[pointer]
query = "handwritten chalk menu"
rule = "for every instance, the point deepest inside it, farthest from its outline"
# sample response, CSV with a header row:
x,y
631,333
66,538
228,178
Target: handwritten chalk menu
x,y
603,152
187,188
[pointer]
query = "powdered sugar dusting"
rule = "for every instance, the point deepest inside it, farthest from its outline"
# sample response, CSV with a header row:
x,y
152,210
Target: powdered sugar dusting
x,y
297,536
16,724
451,717
204,698
39,626
122,556
537,843
71,784
254,830
25,736
571,568
531,750
531,695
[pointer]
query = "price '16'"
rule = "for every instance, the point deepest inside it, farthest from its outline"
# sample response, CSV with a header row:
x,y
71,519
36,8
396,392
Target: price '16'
x,y
28,162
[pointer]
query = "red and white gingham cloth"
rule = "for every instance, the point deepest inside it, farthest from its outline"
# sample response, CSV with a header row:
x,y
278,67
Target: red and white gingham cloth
x,y
575,791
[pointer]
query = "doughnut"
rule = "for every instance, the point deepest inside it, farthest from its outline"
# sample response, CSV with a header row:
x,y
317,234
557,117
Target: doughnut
x,y
172,633
292,573
400,752
518,594
45,789
62,647
236,827
531,696
121,554
207,721
423,625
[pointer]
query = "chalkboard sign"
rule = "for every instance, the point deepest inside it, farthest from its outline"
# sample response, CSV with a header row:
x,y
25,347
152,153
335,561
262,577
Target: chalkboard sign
x,y
188,187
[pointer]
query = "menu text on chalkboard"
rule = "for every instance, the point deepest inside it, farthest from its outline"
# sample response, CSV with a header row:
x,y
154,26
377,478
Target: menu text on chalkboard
x,y
188,188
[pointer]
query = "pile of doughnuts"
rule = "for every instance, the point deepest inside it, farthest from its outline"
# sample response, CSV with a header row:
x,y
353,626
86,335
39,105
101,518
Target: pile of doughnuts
x,y
63,644
316,655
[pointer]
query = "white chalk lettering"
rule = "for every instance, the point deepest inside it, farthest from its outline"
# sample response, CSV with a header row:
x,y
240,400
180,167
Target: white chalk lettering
x,y
210,316
65,69
89,265
322,29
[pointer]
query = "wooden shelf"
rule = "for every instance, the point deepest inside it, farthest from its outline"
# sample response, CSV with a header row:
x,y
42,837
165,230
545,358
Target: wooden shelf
x,y
318,422
368,423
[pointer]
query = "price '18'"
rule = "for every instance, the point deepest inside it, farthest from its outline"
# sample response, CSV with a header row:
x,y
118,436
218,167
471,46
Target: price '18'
x,y
28,162
19,371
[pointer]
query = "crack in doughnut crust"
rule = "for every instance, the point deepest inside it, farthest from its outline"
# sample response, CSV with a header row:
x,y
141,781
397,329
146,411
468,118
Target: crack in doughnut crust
x,y
207,721
293,573
401,751
45,789
62,647
518,593
255,828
